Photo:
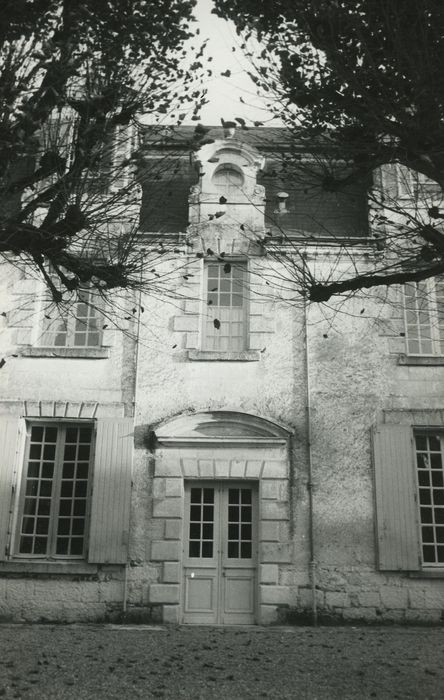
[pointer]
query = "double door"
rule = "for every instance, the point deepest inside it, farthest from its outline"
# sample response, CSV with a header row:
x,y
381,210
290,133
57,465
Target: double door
x,y
220,553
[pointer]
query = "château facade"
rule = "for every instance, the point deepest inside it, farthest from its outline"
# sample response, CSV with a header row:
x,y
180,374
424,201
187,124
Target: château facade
x,y
232,454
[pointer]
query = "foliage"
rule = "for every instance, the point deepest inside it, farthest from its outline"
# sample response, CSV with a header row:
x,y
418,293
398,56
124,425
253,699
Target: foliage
x,y
359,86
75,75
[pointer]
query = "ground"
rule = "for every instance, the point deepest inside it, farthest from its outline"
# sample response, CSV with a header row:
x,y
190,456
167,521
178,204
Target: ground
x,y
74,662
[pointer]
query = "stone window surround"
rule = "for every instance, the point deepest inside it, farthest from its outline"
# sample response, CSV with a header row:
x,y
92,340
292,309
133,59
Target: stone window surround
x,y
23,322
188,321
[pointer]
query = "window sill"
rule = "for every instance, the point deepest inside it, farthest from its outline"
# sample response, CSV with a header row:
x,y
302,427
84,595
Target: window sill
x,y
36,566
424,360
427,573
216,355
87,353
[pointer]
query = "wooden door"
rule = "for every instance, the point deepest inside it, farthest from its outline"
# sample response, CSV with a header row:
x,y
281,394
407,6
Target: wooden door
x,y
220,553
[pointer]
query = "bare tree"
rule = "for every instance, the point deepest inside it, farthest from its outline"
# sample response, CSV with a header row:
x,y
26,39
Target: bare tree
x,y
75,76
359,88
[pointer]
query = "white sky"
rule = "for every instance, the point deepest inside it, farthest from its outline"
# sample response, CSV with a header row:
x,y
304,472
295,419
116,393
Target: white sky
x,y
223,92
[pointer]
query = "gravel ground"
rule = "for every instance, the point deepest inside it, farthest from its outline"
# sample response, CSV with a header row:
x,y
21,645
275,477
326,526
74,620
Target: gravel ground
x,y
76,662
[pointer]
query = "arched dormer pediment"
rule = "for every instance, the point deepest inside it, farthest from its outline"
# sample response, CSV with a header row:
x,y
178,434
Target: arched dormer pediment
x,y
227,194
222,428
230,155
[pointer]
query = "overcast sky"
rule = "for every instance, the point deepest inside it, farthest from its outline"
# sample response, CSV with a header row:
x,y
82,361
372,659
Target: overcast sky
x,y
223,92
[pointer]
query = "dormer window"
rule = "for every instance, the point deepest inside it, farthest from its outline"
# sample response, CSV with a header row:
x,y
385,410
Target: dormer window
x,y
228,181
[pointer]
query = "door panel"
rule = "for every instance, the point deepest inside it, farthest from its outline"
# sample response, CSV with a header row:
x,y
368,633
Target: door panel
x,y
220,553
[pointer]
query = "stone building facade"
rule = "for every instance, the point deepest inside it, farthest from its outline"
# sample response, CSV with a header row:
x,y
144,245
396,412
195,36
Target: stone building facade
x,y
233,456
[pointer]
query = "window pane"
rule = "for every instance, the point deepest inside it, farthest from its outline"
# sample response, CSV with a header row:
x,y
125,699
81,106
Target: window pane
x,y
207,513
196,496
207,549
207,531
78,526
37,434
233,550
47,470
194,549
85,435
208,495
42,526
246,550
28,525
194,531
77,546
64,526
233,532
26,545
233,496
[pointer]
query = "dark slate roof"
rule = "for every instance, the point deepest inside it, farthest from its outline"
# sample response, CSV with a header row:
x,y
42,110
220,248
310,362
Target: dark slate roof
x,y
262,138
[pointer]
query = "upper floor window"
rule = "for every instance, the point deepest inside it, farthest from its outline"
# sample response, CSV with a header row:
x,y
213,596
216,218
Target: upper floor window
x,y
228,181
225,316
415,185
77,325
55,491
424,316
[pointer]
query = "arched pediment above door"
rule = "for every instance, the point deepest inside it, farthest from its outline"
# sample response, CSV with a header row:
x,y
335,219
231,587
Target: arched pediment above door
x,y
226,427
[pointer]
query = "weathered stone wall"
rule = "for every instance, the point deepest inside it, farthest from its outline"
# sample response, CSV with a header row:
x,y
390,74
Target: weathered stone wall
x,y
354,375
71,387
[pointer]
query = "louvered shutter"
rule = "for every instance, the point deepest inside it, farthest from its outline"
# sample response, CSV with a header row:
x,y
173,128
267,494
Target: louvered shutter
x,y
110,505
9,443
397,525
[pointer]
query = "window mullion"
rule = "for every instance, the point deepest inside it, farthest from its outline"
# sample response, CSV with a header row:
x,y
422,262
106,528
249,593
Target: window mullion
x,y
55,501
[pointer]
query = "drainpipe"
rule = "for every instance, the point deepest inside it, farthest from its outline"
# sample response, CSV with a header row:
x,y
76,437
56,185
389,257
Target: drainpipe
x,y
136,365
312,564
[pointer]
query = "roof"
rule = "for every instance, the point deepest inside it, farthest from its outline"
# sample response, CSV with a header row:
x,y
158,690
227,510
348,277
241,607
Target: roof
x,y
262,138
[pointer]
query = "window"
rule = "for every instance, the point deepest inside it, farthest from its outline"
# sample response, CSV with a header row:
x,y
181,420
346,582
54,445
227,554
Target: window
x,y
409,494
429,448
75,326
228,181
415,185
225,317
55,492
424,317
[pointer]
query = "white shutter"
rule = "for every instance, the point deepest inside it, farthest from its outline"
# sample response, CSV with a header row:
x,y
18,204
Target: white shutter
x,y
110,506
9,443
396,493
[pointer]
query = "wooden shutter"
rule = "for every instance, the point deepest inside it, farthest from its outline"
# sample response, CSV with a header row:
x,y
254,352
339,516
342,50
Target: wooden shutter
x,y
110,505
9,443
397,526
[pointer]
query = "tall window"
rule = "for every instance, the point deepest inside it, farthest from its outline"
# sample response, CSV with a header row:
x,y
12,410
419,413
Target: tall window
x,y
424,317
55,491
225,314
430,475
75,326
